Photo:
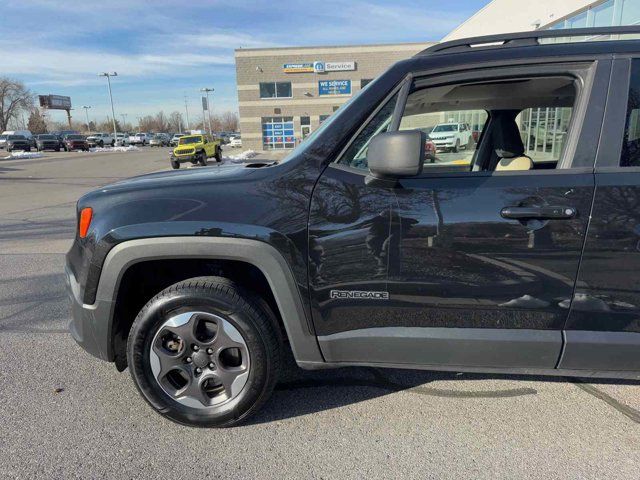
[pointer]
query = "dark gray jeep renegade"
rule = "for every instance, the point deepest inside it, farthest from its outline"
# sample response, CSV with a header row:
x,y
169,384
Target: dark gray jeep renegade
x,y
514,248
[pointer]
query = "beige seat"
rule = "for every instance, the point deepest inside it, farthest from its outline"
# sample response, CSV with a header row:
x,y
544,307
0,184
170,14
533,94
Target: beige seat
x,y
514,164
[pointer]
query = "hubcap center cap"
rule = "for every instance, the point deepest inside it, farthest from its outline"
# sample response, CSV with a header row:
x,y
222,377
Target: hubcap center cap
x,y
200,359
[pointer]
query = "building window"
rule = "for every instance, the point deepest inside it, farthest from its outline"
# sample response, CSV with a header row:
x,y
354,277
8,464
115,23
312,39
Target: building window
x,y
630,12
305,121
275,90
278,133
365,81
323,118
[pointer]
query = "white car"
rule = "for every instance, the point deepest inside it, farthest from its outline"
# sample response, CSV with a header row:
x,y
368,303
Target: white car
x,y
122,139
451,136
140,138
235,141
100,139
174,140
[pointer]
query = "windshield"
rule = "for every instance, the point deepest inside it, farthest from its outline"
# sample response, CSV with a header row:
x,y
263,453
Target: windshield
x,y
446,128
17,137
75,137
3,137
189,140
46,137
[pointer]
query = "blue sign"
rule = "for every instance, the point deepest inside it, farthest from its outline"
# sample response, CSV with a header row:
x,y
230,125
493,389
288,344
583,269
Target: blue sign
x,y
318,67
334,87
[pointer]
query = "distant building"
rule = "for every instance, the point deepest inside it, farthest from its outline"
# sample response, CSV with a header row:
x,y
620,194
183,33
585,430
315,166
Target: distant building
x,y
286,93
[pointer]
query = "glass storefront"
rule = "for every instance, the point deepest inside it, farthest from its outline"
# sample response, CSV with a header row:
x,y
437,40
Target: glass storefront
x,y
609,13
278,133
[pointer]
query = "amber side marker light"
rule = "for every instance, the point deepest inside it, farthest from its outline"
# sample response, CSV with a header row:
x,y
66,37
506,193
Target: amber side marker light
x,y
85,221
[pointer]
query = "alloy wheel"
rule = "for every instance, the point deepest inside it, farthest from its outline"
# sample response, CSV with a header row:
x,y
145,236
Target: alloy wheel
x,y
199,359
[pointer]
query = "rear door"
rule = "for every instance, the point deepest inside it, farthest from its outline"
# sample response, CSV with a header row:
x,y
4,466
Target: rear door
x,y
481,264
603,329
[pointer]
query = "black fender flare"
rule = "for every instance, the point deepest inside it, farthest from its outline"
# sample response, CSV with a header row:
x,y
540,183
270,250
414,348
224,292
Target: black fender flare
x,y
265,257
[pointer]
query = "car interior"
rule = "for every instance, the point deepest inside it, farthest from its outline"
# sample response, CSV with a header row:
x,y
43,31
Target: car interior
x,y
525,129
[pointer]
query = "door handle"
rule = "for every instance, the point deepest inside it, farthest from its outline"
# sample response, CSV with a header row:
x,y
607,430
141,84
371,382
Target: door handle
x,y
539,213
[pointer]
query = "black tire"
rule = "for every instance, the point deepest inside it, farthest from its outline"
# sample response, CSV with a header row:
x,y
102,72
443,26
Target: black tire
x,y
113,143
175,165
457,147
243,310
58,149
218,155
203,158
8,150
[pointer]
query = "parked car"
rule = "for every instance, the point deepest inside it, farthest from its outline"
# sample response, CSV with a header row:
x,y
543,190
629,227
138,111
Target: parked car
x,y
100,140
429,151
175,138
47,141
196,149
25,133
18,142
75,142
140,139
159,140
3,141
451,136
353,251
235,141
122,140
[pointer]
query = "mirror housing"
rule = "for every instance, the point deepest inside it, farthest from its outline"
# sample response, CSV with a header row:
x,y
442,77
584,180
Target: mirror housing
x,y
397,154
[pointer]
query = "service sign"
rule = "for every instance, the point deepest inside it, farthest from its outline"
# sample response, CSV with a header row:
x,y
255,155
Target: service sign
x,y
298,67
334,87
339,66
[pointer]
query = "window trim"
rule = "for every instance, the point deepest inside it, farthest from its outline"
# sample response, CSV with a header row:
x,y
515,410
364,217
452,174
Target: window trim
x,y
615,118
583,70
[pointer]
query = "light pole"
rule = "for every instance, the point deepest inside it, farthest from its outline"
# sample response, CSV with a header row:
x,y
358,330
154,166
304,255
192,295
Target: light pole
x,y
186,110
113,113
206,92
86,114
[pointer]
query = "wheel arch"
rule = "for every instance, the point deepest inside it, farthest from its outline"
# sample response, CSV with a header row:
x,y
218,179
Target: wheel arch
x,y
260,255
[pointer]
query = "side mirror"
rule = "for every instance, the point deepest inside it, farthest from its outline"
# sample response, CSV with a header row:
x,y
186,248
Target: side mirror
x,y
396,154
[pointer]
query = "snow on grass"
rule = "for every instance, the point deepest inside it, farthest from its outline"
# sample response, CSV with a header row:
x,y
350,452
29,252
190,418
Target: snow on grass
x,y
23,154
240,157
130,148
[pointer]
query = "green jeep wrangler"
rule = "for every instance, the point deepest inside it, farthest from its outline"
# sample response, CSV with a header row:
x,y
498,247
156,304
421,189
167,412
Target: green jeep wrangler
x,y
195,149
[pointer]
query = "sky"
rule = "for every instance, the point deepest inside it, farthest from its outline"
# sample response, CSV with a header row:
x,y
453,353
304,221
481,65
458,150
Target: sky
x,y
166,49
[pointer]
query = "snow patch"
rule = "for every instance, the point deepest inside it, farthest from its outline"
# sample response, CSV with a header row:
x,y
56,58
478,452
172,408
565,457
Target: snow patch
x,y
240,157
23,154
130,148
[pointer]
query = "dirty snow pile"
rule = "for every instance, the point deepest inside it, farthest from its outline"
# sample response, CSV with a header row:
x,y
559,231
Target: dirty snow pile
x,y
240,157
130,148
23,154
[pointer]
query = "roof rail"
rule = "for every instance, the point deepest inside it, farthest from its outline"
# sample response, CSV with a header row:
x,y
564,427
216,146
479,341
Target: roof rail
x,y
523,39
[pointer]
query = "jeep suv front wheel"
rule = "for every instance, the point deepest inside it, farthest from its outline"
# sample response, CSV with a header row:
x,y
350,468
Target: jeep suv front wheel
x,y
204,352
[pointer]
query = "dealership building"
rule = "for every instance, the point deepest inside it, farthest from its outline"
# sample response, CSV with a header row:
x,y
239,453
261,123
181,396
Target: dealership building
x,y
286,93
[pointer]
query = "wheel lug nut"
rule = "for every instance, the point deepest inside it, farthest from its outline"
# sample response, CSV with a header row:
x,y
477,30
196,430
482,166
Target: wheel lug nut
x,y
198,370
212,365
210,351
189,359
196,348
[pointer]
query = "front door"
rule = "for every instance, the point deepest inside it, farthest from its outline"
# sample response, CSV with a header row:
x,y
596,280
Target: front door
x,y
484,246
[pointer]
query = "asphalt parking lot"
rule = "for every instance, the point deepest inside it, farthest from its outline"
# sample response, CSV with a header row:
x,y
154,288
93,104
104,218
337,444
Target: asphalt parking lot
x,y
66,414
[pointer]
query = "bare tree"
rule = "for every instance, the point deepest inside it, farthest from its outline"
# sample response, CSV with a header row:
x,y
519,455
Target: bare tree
x,y
175,122
14,98
229,121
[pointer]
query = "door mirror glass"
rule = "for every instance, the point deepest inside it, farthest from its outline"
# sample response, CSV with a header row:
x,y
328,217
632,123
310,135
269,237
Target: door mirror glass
x,y
396,154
